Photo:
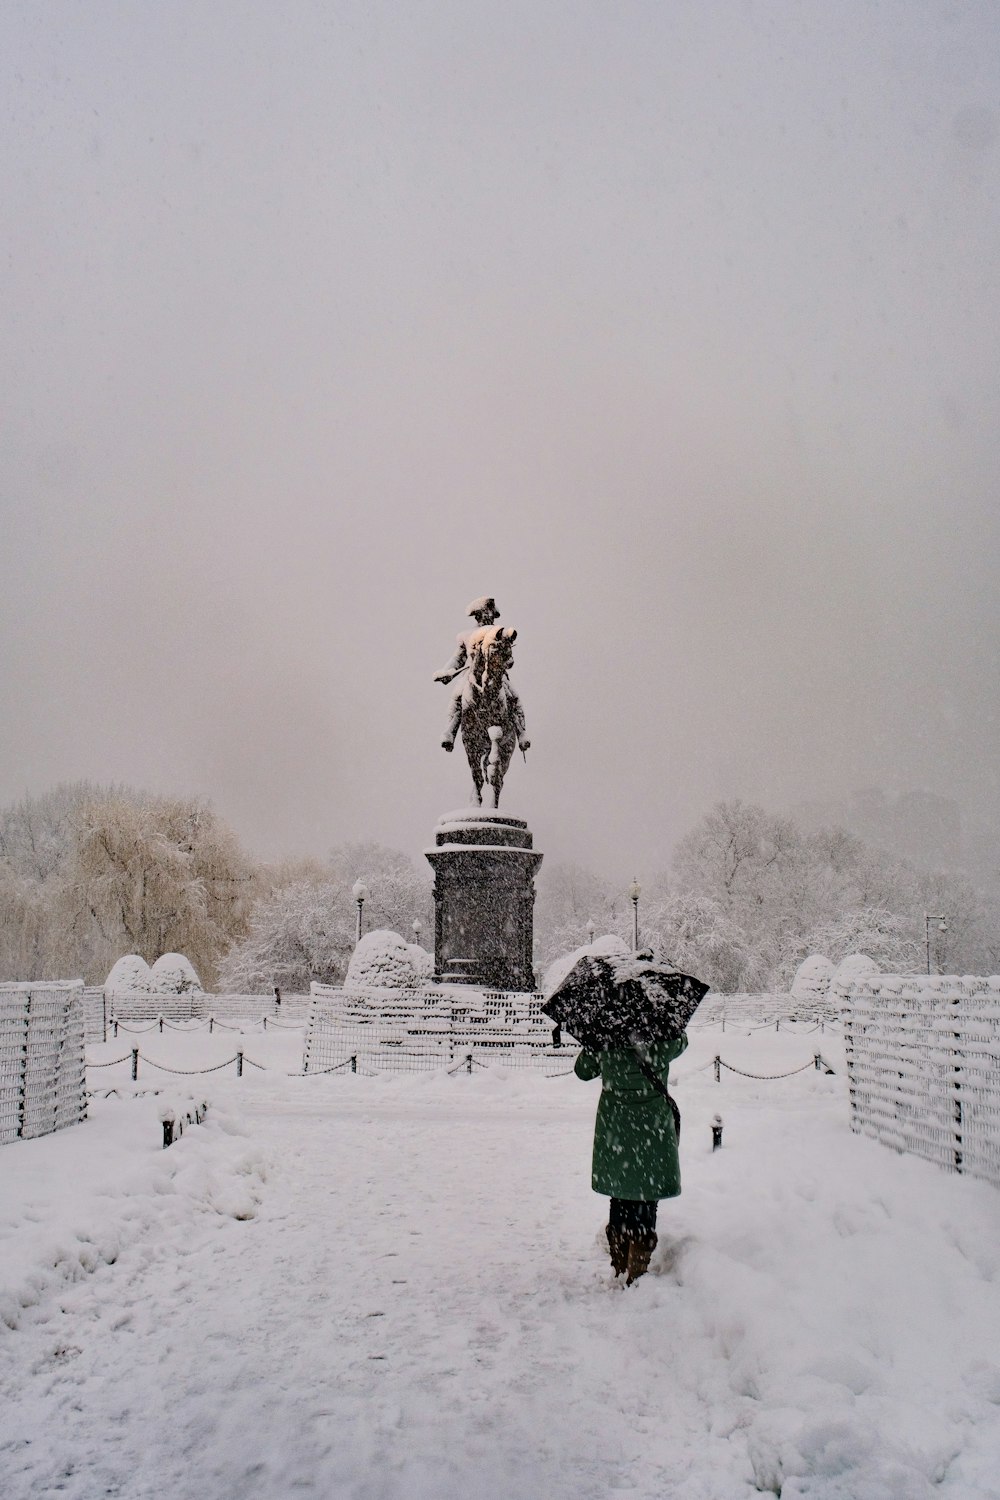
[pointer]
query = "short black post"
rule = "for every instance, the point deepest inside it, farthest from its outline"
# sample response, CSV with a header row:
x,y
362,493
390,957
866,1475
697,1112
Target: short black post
x,y
818,1061
135,1063
161,1023
723,1023
354,1064
716,1132
116,1025
277,995
468,1062
264,1018
239,1064
717,1065
168,1133
777,1024
211,1025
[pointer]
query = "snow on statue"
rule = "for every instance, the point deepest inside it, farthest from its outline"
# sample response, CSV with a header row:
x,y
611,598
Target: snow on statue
x,y
485,705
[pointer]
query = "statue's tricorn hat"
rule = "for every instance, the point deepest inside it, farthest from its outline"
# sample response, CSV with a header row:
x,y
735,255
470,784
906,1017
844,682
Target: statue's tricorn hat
x,y
479,606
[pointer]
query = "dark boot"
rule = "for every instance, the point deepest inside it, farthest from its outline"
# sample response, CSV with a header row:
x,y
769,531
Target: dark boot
x,y
640,1248
618,1243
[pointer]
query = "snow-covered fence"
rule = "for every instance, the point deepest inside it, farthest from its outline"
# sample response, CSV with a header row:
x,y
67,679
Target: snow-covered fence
x,y
923,1064
41,1059
95,1014
200,1005
442,1026
751,1011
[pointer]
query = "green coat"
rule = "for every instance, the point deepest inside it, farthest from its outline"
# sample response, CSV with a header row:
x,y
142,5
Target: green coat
x,y
635,1143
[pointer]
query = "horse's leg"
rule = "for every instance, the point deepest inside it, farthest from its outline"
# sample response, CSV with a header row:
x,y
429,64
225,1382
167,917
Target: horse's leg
x,y
475,759
506,748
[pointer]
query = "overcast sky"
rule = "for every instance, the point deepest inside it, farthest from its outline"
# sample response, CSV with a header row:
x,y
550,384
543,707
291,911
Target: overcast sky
x,y
674,325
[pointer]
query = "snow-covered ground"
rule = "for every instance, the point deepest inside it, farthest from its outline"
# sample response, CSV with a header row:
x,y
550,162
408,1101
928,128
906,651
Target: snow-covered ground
x,y
397,1288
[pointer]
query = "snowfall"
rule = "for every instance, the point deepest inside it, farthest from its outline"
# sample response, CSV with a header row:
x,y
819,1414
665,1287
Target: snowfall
x,y
397,1288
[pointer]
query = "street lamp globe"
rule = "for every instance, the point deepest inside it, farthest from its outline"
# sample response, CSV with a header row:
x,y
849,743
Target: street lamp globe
x,y
591,929
418,928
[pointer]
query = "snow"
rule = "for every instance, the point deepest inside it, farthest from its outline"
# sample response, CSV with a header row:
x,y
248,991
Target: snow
x,y
396,1288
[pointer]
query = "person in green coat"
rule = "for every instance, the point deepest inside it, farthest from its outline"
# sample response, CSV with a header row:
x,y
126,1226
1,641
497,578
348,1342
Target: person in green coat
x,y
636,1161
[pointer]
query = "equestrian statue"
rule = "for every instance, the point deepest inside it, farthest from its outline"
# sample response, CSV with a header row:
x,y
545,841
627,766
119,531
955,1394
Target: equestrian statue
x,y
484,705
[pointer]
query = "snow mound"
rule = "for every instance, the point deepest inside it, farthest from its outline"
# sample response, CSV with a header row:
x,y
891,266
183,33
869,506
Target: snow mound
x,y
383,959
812,978
173,974
854,966
131,975
610,946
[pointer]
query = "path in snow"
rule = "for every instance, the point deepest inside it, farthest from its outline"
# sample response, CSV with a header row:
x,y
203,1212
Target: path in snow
x,y
421,1308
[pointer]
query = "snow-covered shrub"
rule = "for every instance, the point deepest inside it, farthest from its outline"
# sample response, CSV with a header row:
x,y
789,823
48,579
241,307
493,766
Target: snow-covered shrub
x,y
854,966
172,974
383,959
131,975
812,978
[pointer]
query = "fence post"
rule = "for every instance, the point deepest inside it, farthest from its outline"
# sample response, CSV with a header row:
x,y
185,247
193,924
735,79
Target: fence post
x,y
22,1096
777,1024
264,1019
956,1077
468,1062
717,1065
716,1132
239,1064
168,1133
846,1017
277,995
211,1025
135,1064
116,1025
817,1059
161,1025
354,1064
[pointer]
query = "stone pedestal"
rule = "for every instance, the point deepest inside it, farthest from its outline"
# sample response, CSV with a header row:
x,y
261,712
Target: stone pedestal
x,y
484,899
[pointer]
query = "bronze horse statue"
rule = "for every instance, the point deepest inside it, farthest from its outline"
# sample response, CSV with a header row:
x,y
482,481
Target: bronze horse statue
x,y
492,721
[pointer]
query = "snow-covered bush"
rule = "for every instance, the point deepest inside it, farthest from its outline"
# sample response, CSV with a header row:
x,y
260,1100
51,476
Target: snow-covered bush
x,y
812,978
383,959
854,966
131,975
173,974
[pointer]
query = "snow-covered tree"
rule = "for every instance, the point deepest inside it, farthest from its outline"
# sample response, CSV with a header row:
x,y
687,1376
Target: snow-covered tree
x,y
298,933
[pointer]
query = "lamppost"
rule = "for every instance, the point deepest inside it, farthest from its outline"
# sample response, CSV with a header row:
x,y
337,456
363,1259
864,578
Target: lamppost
x,y
418,928
591,929
942,922
360,893
634,892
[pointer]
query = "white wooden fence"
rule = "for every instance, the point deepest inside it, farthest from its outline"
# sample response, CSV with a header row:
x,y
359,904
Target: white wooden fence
x,y
41,1059
923,1064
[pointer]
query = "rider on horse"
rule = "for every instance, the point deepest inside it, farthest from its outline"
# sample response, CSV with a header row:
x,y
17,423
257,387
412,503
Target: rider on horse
x,y
470,656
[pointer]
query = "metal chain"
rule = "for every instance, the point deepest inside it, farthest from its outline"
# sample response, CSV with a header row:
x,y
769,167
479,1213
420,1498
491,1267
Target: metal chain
x,y
766,1077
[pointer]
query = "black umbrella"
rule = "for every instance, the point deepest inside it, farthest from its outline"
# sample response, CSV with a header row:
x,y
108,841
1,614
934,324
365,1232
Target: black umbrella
x,y
610,1001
